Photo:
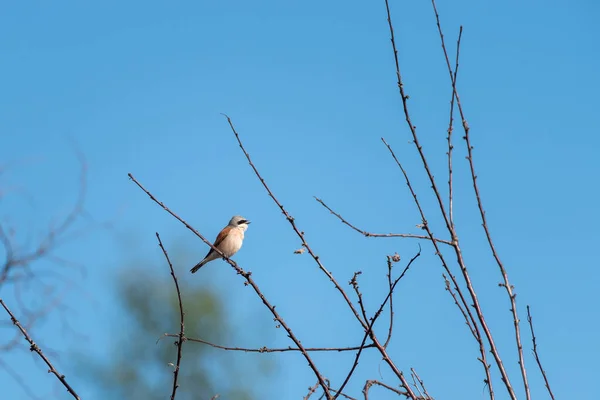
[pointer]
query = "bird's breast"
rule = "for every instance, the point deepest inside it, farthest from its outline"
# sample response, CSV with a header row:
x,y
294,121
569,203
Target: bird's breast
x,y
232,243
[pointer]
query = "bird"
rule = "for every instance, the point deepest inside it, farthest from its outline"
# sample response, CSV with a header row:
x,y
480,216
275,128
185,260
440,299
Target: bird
x,y
229,241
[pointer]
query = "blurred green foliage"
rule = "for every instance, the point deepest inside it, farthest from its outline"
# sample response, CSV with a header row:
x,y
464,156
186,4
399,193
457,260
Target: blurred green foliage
x,y
137,367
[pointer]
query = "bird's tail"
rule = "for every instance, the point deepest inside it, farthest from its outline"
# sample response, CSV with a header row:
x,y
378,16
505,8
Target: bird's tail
x,y
197,266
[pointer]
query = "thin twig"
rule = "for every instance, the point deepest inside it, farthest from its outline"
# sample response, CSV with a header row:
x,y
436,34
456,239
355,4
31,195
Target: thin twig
x,y
427,396
371,333
475,332
371,382
311,391
413,128
425,226
249,281
379,235
450,129
354,283
271,350
355,363
181,336
416,385
391,326
344,395
393,287
36,348
449,289
535,354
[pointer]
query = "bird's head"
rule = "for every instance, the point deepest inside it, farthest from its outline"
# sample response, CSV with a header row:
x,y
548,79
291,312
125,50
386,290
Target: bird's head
x,y
239,222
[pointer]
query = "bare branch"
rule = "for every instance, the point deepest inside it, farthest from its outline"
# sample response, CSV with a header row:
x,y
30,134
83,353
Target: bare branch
x,y
380,347
271,350
344,395
370,383
450,129
413,128
535,354
389,276
467,320
475,332
355,363
36,348
369,234
181,335
311,391
354,283
421,384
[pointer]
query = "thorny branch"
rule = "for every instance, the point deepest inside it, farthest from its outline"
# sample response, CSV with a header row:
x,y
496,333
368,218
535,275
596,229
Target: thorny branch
x,y
420,384
181,335
370,383
467,320
450,129
356,358
311,391
377,235
249,281
272,350
390,261
344,395
535,354
38,350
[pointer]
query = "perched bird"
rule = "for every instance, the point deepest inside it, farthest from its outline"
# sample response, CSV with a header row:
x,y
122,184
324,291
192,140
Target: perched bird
x,y
229,241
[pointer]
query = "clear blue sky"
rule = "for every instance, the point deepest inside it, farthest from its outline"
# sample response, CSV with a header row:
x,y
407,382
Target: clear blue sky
x,y
311,88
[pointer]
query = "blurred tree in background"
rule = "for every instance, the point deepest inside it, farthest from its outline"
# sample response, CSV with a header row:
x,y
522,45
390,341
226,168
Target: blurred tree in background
x,y
139,362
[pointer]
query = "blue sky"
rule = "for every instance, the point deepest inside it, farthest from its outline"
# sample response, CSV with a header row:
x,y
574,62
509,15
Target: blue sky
x,y
311,88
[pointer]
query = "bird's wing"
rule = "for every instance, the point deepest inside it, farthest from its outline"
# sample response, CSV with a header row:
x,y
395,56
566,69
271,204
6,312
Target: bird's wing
x,y
220,237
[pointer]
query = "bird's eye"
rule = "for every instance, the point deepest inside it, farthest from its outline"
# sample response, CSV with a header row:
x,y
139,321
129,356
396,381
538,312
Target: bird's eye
x,y
242,222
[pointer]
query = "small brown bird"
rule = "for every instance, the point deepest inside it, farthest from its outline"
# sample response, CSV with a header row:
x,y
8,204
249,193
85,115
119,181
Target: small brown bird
x,y
229,241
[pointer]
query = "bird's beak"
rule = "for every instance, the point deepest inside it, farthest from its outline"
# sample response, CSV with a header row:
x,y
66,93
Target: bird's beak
x,y
248,221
